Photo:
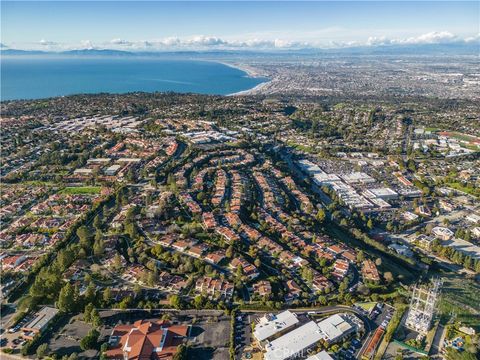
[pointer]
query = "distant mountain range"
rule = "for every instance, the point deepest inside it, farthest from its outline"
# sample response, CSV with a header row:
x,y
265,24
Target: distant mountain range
x,y
424,49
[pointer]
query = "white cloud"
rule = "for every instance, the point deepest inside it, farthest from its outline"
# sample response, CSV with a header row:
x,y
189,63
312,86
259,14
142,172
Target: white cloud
x,y
44,42
86,44
205,42
472,39
434,37
120,42
378,41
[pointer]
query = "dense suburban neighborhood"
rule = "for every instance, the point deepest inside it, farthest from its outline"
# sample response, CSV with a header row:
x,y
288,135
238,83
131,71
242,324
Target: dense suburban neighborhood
x,y
172,226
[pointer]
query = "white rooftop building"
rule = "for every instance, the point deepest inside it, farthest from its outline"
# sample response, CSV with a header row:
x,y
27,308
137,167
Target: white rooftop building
x,y
384,193
323,178
442,233
335,327
298,341
323,355
294,343
310,167
271,324
357,177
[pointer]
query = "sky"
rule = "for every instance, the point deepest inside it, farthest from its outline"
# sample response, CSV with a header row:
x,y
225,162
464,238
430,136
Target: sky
x,y
155,25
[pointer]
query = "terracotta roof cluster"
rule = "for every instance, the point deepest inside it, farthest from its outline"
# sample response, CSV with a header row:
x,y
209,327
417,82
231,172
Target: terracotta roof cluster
x,y
220,183
340,268
214,287
236,196
144,340
369,271
262,288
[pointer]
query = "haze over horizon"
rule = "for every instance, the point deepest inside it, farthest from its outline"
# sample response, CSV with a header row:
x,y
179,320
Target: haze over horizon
x,y
170,26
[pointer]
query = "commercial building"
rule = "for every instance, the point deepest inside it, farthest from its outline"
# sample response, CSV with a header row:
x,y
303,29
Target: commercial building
x,y
297,342
323,355
336,327
112,170
146,340
271,325
384,193
40,322
442,233
294,343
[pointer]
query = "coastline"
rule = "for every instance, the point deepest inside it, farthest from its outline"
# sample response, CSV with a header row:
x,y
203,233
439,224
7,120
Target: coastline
x,y
251,72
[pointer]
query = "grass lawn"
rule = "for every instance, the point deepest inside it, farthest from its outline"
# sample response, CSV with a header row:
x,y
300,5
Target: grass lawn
x,y
74,190
474,191
367,306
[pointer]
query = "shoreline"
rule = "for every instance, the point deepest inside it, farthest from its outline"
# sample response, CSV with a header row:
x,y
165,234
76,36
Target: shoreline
x,y
251,72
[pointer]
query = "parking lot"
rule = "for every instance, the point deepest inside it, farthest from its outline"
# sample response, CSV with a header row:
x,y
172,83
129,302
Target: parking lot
x,y
243,336
210,339
13,336
70,332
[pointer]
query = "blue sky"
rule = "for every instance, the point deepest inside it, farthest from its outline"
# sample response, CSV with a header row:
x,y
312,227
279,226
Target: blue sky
x,y
178,25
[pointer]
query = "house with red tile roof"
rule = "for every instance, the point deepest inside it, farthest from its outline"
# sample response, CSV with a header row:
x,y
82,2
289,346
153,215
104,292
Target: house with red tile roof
x,y
340,268
146,340
249,270
369,271
262,288
214,288
209,222
294,290
215,257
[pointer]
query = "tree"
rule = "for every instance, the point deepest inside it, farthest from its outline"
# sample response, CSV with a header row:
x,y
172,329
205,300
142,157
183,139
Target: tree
x,y
370,224
42,350
117,261
84,237
388,276
360,256
322,300
107,295
181,353
321,215
66,301
87,313
198,302
176,301
97,223
90,293
90,340
229,252
99,245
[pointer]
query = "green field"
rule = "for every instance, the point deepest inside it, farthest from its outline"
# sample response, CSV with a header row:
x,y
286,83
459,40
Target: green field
x,y
367,306
79,190
460,299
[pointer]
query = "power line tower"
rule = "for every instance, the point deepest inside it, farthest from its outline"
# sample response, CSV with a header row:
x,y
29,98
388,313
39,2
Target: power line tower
x,y
422,306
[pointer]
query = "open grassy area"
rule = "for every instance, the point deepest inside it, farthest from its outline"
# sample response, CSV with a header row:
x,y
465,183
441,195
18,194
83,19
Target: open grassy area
x,y
74,190
460,298
472,190
367,306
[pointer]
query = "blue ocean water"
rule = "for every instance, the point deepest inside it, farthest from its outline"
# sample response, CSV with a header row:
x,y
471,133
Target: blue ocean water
x,y
42,77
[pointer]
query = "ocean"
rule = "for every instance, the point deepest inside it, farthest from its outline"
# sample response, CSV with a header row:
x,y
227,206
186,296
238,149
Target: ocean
x,y
42,77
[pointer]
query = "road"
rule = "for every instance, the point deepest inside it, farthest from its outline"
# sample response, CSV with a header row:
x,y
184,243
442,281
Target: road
x,y
437,344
